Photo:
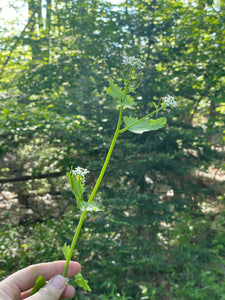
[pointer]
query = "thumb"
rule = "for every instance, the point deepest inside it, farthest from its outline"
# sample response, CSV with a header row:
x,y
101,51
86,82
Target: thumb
x,y
52,290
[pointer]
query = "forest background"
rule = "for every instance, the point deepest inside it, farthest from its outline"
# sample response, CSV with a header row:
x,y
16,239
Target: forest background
x,y
162,232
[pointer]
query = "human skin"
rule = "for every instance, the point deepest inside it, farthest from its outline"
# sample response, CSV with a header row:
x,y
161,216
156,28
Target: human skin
x,y
19,285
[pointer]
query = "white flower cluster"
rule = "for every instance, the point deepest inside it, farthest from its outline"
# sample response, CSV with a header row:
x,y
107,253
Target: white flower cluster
x,y
133,62
169,101
80,172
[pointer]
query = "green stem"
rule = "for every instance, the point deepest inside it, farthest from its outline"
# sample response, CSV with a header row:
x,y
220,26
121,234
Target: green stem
x,y
107,157
76,235
82,217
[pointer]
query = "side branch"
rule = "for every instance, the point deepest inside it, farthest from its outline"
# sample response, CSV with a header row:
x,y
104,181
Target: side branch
x,y
32,177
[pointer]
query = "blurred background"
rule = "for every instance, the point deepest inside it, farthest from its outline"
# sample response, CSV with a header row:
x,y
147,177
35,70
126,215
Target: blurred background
x,y
162,232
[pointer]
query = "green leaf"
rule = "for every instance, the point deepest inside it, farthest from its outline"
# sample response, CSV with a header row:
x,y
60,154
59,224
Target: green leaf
x,y
128,102
70,177
81,282
77,187
114,91
40,282
155,105
118,94
66,250
6,111
143,125
89,206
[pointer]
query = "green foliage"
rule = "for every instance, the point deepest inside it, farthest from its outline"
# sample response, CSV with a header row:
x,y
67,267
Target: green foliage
x,y
154,239
143,125
119,95
22,246
79,279
40,282
114,91
86,206
77,187
66,250
81,282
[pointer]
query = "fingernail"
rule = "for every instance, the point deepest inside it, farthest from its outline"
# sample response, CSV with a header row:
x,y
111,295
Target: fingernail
x,y
58,281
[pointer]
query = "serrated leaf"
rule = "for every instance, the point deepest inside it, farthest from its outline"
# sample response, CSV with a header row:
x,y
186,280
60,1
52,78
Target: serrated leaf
x,y
81,282
40,282
66,250
118,94
113,90
77,187
69,176
128,102
89,206
155,105
143,125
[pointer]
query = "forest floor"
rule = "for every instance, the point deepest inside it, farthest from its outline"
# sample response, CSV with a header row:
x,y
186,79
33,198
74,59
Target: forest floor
x,y
38,207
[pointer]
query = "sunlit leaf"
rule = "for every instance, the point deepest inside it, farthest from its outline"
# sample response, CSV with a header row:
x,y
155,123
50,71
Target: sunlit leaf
x,y
77,187
143,125
81,282
40,282
128,102
114,91
89,206
66,250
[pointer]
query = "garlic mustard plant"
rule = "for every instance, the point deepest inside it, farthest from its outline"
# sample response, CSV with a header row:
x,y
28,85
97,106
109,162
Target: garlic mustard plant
x,y
131,79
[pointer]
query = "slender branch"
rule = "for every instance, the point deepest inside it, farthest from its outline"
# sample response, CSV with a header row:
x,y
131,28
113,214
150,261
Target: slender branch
x,y
32,177
76,235
107,157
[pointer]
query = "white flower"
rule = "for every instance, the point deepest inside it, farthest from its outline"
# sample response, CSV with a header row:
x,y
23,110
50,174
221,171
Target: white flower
x,y
169,101
133,62
80,172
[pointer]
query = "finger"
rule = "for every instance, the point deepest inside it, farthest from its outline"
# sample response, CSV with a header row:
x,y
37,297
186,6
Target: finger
x,y
26,294
52,290
25,279
68,292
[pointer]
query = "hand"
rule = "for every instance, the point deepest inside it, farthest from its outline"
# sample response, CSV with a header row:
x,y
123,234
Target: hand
x,y
19,285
